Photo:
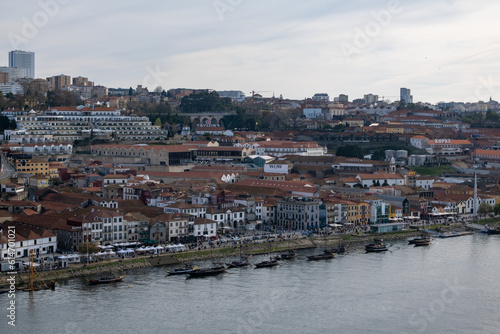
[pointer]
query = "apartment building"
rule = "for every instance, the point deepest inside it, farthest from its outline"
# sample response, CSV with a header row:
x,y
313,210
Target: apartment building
x,y
66,124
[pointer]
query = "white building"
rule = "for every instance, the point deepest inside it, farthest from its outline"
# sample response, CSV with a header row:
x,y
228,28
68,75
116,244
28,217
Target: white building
x,y
419,142
280,148
229,215
25,238
197,210
368,180
424,182
313,113
67,124
204,227
297,214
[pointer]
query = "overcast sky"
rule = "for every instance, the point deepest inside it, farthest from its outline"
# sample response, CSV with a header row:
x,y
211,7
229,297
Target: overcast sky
x,y
443,50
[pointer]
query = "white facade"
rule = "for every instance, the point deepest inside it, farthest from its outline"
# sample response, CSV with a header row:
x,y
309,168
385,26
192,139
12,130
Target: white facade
x,y
313,113
419,142
424,183
232,217
204,227
297,215
276,168
392,179
40,246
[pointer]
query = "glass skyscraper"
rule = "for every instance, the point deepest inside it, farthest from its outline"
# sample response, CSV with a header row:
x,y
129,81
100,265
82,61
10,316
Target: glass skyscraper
x,y
23,59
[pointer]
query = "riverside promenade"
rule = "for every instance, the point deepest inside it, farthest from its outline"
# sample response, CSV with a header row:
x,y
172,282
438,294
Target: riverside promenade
x,y
119,265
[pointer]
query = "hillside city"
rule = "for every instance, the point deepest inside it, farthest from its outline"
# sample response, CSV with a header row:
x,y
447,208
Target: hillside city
x,y
86,164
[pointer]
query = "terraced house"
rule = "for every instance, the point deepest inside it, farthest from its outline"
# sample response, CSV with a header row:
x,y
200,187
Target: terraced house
x,y
67,124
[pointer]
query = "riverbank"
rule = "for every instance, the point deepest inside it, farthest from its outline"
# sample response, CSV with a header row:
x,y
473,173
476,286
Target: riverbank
x,y
119,266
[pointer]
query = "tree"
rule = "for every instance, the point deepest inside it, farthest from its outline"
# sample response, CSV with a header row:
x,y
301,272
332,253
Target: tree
x,y
496,209
92,249
130,91
158,121
484,209
3,102
385,184
59,98
204,102
4,123
379,154
349,151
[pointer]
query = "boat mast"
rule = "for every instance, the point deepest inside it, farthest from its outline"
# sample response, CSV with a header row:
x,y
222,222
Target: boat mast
x,y
474,207
31,274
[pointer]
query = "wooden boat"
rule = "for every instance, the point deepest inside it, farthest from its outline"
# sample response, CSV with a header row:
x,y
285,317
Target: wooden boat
x,y
106,280
423,242
340,249
327,254
288,255
417,239
264,264
211,271
492,231
376,246
243,262
181,271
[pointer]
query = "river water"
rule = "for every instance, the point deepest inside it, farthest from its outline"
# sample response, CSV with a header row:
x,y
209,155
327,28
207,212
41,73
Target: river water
x,y
451,286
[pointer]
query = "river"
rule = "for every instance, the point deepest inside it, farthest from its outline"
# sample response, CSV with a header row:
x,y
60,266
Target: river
x,y
451,286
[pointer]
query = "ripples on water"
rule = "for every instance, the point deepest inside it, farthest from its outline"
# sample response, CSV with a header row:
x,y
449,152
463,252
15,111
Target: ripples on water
x,y
405,290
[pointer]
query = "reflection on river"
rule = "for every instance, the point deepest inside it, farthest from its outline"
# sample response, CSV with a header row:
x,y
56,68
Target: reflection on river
x,y
448,287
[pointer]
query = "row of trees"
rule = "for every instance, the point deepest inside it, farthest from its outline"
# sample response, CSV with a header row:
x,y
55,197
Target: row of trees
x,y
34,98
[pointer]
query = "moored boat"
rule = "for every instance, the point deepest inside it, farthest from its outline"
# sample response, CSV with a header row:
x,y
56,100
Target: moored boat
x,y
181,271
377,245
423,242
288,255
106,280
417,239
327,254
492,231
271,263
211,271
243,262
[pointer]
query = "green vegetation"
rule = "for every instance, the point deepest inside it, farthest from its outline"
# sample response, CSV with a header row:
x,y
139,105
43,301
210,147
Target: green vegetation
x,y
204,102
350,151
433,171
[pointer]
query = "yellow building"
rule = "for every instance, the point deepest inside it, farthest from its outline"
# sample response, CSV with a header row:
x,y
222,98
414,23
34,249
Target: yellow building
x,y
358,213
54,169
32,166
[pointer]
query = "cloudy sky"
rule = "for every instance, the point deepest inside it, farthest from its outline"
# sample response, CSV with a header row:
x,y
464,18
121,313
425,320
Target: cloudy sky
x,y
443,50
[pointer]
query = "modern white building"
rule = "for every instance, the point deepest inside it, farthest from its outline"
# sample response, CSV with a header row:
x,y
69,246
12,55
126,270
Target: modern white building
x,y
405,95
13,72
67,124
